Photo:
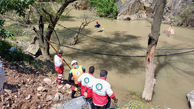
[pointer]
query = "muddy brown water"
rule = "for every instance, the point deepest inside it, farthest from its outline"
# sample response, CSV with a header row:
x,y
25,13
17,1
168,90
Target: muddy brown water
x,y
175,73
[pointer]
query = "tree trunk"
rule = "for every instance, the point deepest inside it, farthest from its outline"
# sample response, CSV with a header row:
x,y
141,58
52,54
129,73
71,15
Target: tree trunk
x,y
44,45
152,43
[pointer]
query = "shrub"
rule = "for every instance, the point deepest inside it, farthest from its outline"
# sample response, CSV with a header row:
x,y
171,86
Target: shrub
x,y
16,55
105,8
3,32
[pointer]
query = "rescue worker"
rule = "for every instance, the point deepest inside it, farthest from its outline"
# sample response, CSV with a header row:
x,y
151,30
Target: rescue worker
x,y
97,25
170,31
85,81
59,66
102,92
75,73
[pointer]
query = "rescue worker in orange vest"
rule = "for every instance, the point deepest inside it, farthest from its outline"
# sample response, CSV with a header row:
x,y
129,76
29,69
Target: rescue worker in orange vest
x,y
59,66
102,92
85,81
75,73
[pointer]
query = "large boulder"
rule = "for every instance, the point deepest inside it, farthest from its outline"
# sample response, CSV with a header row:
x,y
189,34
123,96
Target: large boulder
x,y
176,11
81,4
134,9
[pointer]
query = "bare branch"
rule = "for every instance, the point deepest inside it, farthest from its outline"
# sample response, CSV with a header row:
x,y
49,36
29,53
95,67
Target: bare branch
x,y
49,14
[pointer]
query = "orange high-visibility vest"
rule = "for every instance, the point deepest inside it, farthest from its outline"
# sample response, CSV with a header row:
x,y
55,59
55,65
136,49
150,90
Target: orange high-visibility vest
x,y
77,73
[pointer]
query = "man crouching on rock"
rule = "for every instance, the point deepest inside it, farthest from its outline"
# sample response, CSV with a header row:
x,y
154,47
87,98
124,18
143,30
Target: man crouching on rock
x,y
59,66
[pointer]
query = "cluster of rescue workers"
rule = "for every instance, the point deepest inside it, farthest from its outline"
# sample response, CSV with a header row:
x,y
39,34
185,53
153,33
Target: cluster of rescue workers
x,y
97,91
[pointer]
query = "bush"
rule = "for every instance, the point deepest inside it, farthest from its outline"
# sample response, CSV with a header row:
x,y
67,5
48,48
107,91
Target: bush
x,y
3,32
105,8
14,56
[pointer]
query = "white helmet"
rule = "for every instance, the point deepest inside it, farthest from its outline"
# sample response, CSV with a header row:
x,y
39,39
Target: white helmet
x,y
73,62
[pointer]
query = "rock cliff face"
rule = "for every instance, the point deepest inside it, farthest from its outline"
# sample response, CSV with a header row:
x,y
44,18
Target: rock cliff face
x,y
179,12
81,4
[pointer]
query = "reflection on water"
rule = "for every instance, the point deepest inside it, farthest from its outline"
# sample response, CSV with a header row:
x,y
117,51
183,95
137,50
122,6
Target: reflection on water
x,y
175,74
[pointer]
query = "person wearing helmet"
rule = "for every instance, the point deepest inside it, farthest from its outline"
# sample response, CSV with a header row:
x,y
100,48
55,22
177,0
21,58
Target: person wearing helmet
x,y
75,73
59,66
97,25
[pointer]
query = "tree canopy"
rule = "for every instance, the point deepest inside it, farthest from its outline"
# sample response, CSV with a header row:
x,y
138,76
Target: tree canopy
x,y
18,5
7,5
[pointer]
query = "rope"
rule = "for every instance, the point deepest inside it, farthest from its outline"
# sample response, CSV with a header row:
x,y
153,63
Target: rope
x,y
121,55
110,42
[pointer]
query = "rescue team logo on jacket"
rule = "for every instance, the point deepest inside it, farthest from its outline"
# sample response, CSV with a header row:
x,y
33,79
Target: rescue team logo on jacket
x,y
77,73
99,86
86,80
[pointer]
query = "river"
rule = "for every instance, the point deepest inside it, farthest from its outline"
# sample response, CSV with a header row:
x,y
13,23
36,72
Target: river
x,y
175,73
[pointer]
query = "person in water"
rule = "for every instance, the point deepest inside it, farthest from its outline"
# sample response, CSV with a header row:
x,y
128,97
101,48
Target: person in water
x,y
170,31
97,25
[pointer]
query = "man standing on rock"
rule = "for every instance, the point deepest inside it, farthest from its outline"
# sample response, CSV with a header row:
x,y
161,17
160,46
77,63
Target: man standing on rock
x,y
102,92
85,81
75,73
59,66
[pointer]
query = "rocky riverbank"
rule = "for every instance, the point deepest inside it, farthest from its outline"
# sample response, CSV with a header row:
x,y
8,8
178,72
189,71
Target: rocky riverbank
x,y
27,87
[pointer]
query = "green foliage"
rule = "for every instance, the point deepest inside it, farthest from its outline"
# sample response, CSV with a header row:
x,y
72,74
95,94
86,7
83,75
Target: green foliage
x,y
3,32
47,7
105,8
6,5
187,11
16,55
18,5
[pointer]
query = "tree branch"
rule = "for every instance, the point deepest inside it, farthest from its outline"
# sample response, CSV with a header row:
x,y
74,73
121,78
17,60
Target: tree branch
x,y
49,14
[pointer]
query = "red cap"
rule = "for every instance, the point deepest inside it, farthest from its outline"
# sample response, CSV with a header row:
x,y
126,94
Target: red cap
x,y
96,21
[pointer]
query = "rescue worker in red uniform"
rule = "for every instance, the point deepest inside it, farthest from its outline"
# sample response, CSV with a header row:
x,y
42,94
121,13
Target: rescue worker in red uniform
x,y
59,66
75,73
85,81
102,92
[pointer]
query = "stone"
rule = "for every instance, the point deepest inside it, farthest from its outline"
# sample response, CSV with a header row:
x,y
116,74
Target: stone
x,y
12,49
48,81
28,97
8,90
33,48
77,103
40,88
49,97
67,86
38,94
81,5
57,106
190,97
59,96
